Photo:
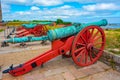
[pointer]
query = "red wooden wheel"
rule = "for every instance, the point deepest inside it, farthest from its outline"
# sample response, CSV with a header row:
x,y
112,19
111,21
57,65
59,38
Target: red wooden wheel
x,y
38,30
88,45
20,28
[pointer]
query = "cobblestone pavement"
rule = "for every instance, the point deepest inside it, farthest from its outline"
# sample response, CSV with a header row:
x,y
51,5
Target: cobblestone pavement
x,y
66,69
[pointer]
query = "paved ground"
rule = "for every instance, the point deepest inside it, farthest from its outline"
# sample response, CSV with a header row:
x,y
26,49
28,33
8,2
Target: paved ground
x,y
61,69
65,69
17,47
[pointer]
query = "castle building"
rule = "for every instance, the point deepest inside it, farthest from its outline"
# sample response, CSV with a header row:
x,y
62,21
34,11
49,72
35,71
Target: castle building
x,y
0,12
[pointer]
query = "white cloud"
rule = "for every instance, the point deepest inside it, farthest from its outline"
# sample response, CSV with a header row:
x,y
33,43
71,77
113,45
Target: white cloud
x,y
97,9
92,1
19,1
15,1
55,2
65,7
23,13
5,8
64,12
35,8
55,17
47,2
102,6
67,10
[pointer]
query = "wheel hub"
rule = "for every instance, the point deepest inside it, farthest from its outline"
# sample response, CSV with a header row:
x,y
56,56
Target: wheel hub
x,y
89,46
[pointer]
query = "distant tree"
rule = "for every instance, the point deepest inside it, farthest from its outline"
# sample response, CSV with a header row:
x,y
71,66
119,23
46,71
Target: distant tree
x,y
66,23
59,21
16,20
36,21
3,21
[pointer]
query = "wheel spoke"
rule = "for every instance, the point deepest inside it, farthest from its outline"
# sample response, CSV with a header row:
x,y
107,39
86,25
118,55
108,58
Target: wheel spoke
x,y
91,32
90,55
87,36
86,57
98,43
83,39
80,54
95,34
82,57
97,38
81,44
94,53
78,50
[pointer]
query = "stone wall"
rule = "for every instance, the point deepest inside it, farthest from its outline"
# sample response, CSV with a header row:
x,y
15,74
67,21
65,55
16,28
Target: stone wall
x,y
111,59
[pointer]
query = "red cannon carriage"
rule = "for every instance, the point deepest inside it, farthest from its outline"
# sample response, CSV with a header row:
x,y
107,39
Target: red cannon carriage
x,y
37,30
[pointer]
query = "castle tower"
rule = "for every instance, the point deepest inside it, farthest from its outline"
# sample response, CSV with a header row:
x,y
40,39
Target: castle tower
x,y
0,12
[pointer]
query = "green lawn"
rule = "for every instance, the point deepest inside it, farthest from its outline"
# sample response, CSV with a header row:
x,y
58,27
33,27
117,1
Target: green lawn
x,y
113,40
1,30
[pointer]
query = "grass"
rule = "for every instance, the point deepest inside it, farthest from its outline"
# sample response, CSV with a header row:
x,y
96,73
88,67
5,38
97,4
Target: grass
x,y
1,30
113,40
116,52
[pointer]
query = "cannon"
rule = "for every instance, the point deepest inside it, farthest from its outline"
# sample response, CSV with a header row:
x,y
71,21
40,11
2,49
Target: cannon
x,y
38,29
35,29
85,43
32,29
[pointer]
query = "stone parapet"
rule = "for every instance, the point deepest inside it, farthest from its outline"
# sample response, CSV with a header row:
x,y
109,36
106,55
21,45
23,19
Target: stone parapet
x,y
111,59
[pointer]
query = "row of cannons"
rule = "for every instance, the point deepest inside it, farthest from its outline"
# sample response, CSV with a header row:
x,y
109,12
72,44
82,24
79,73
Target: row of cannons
x,y
84,42
32,29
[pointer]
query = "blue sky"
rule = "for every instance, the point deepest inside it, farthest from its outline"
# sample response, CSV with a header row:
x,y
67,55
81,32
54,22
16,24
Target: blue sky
x,y
68,10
